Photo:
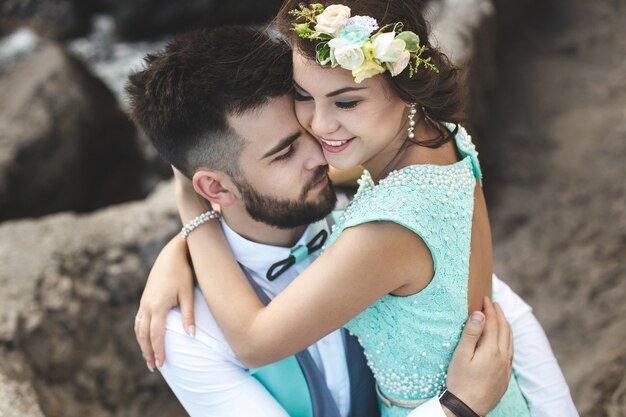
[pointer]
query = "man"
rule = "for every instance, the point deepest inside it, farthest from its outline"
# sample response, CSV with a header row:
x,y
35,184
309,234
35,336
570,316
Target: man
x,y
217,105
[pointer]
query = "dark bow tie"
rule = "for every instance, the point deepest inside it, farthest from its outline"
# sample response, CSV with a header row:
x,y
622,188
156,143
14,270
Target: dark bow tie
x,y
297,254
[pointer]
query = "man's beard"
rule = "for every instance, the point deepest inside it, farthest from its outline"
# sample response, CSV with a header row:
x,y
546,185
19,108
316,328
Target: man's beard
x,y
287,214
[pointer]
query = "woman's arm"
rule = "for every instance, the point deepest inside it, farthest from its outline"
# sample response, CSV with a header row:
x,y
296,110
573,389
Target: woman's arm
x,y
365,263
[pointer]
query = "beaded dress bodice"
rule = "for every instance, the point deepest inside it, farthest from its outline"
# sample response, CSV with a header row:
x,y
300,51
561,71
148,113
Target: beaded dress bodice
x,y
409,341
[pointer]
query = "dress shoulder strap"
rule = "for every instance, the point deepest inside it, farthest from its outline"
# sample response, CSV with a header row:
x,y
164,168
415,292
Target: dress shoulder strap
x,y
466,147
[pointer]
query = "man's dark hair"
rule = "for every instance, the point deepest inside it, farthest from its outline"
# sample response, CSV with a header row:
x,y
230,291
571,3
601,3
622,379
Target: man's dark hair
x,y
183,95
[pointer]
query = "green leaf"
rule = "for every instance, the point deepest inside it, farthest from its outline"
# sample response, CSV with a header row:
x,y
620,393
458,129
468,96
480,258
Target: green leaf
x,y
322,52
318,8
322,36
411,39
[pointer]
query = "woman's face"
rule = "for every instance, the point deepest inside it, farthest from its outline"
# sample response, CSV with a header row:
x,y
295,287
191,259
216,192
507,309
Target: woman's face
x,y
356,124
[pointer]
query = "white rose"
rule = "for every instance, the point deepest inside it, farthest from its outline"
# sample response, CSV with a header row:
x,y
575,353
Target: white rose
x,y
348,56
387,48
333,19
399,66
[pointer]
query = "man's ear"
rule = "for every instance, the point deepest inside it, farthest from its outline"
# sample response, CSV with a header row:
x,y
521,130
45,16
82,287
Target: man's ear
x,y
215,186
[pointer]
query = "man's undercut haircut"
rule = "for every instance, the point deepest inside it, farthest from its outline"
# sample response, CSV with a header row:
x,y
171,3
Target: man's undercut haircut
x,y
182,98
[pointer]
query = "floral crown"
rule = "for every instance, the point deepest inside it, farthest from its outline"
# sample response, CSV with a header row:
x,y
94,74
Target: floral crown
x,y
357,43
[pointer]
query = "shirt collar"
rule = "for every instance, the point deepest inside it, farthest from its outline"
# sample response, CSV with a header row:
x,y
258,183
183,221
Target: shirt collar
x,y
260,257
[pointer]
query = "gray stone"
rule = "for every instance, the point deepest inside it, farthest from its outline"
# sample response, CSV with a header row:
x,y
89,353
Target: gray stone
x,y
150,18
64,142
70,287
58,19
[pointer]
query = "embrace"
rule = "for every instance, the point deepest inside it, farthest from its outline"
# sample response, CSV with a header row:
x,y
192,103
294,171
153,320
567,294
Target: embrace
x,y
289,307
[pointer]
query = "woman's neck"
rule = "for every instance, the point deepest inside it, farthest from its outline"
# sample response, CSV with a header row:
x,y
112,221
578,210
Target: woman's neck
x,y
401,151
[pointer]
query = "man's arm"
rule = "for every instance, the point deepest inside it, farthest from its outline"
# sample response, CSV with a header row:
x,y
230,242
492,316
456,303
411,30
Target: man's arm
x,y
204,374
208,380
537,370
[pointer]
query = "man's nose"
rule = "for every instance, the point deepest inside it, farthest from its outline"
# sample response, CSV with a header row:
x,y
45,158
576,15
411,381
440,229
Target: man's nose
x,y
315,155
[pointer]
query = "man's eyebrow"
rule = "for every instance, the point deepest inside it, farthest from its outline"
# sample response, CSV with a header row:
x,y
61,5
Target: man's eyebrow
x,y
282,144
336,92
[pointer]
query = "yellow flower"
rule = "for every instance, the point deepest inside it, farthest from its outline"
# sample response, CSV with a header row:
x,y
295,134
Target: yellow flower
x,y
368,69
368,50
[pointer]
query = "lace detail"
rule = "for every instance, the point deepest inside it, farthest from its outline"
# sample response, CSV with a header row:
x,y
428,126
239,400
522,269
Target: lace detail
x,y
409,341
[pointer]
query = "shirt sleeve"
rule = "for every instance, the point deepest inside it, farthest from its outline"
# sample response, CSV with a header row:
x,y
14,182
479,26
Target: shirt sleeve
x,y
538,373
205,375
431,408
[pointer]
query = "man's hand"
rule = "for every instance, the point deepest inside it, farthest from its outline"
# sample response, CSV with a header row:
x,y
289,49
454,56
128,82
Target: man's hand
x,y
169,284
481,367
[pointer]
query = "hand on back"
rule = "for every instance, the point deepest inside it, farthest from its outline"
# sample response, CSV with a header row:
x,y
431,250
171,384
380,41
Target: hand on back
x,y
169,284
481,367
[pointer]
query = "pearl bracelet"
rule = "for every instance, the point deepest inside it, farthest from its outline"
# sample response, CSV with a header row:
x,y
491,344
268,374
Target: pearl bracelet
x,y
197,221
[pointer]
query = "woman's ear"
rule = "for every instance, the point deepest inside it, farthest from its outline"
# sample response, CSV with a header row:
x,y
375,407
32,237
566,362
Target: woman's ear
x,y
215,186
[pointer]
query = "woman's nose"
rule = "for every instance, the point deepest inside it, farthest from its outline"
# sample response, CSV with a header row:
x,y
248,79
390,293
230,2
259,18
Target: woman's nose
x,y
323,122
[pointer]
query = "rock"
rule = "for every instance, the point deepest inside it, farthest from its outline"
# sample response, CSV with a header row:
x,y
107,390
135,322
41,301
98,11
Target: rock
x,y
455,24
64,142
17,394
150,18
70,286
59,19
558,129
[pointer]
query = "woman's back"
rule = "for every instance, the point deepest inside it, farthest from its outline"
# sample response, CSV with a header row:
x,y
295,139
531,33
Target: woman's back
x,y
409,339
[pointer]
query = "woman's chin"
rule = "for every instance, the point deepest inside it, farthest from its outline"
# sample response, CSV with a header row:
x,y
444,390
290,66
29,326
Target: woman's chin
x,y
340,163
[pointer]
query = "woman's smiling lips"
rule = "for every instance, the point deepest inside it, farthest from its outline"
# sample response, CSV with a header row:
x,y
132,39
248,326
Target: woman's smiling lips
x,y
334,145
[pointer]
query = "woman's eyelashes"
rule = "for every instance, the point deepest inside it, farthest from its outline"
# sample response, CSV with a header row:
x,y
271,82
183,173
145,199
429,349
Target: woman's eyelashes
x,y
346,104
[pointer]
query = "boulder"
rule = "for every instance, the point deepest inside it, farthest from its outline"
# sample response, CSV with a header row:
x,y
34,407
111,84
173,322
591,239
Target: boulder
x,y
150,18
70,286
64,142
558,129
59,19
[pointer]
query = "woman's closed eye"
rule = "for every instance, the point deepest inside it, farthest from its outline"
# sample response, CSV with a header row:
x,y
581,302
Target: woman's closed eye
x,y
347,104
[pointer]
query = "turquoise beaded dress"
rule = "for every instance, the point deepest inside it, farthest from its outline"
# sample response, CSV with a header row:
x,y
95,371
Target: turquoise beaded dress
x,y
409,341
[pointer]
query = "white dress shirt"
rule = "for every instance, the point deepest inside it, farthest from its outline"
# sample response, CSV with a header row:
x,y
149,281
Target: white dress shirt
x,y
209,380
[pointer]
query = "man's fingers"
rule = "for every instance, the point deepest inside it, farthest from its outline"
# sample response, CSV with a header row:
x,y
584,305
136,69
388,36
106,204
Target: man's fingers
x,y
504,330
185,299
471,334
506,333
490,333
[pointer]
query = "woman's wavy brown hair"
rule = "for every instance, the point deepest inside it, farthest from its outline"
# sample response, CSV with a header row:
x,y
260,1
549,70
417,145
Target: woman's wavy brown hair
x,y
441,93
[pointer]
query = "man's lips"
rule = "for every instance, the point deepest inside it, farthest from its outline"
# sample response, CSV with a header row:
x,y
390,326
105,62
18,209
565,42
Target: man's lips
x,y
335,145
319,182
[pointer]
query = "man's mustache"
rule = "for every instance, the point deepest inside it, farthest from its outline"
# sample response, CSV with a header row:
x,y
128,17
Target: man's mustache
x,y
320,173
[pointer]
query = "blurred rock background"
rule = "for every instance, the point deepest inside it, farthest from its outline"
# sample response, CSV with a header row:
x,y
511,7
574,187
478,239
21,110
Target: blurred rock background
x,y
85,202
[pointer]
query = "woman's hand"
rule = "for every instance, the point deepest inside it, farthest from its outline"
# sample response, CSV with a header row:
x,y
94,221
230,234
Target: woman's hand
x,y
190,204
169,284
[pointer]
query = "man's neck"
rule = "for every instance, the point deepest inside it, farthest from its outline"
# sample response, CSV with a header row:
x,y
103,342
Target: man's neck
x,y
263,233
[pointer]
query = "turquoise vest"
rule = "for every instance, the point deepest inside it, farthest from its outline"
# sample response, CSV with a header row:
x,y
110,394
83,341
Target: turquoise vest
x,y
299,386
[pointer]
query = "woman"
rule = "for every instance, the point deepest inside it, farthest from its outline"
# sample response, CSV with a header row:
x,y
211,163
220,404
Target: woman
x,y
374,93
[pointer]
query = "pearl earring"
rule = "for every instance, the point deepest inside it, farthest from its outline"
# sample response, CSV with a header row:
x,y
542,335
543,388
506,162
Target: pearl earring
x,y
411,129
